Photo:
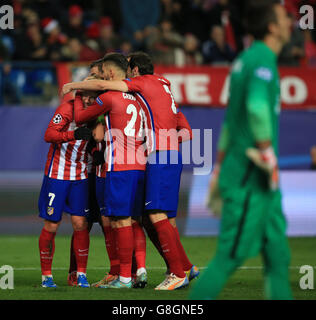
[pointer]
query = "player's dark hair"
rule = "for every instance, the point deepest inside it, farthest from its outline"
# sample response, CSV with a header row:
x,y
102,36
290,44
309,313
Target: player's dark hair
x,y
141,60
118,59
258,16
96,63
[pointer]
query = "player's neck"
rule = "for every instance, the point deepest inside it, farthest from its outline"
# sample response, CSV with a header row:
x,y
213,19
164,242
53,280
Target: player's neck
x,y
273,43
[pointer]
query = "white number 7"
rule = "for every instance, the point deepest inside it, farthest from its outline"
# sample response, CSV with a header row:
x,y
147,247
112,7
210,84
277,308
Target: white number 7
x,y
52,197
173,103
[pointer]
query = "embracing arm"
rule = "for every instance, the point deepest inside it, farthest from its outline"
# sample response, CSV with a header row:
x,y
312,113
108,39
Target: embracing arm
x,y
83,115
95,85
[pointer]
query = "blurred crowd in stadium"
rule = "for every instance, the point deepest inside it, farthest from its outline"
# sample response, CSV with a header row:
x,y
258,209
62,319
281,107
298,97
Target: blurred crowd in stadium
x,y
174,32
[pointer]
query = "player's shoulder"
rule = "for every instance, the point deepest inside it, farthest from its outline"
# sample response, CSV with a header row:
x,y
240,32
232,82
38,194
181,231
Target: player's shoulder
x,y
67,103
66,106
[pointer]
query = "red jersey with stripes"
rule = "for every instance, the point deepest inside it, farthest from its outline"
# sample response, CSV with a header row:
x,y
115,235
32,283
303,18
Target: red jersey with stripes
x,y
67,158
154,94
124,130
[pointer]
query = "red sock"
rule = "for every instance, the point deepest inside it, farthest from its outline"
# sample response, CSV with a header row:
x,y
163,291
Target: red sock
x,y
167,239
73,262
46,245
110,244
139,245
125,240
81,248
153,236
186,264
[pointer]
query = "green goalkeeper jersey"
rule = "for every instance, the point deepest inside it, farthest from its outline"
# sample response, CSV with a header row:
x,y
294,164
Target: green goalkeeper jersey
x,y
252,114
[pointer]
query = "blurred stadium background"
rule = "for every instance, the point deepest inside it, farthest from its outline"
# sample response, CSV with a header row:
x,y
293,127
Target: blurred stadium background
x,y
193,43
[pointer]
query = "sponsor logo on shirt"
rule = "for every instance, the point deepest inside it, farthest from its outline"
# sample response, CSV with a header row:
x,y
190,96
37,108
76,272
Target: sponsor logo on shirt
x,y
264,73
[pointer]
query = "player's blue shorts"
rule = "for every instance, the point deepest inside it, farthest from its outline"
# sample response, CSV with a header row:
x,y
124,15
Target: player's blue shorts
x,y
58,196
100,193
163,181
125,193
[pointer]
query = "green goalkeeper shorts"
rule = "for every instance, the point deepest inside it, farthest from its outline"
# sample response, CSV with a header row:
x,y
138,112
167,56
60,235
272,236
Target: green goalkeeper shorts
x,y
251,217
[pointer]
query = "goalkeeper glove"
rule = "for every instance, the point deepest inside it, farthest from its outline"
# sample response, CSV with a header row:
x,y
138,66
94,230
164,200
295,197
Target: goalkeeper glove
x,y
98,158
214,199
266,160
83,133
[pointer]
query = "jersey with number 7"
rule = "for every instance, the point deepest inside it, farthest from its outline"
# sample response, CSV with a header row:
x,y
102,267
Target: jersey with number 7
x,y
154,95
124,132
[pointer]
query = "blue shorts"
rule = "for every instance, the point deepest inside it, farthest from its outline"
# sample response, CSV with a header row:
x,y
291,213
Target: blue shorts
x,y
100,193
124,196
58,196
163,182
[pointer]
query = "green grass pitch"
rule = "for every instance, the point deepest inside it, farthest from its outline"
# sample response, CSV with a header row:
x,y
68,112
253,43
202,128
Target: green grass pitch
x,y
21,252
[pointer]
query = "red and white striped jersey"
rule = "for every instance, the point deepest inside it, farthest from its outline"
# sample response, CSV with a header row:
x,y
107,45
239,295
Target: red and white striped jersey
x,y
67,158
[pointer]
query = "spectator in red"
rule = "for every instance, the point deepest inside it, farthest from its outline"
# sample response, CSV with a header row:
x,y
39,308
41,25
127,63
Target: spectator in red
x,y
77,51
54,38
74,28
108,41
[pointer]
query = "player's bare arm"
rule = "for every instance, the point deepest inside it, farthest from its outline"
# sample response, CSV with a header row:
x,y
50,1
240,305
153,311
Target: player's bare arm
x,y
98,132
95,85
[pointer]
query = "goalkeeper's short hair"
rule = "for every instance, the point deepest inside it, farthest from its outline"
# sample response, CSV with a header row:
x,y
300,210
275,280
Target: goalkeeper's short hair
x,y
258,15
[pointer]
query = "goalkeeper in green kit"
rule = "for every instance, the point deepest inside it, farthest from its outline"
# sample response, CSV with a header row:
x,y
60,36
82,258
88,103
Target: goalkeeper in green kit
x,y
247,167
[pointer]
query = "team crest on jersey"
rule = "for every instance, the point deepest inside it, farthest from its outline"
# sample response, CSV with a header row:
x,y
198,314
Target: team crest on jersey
x,y
57,119
50,210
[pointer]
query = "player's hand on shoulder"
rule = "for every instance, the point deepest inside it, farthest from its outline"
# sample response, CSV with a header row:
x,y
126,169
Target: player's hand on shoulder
x,y
66,89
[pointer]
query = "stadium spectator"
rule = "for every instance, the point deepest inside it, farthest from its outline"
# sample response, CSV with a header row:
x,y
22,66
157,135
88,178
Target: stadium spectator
x,y
34,47
293,52
54,38
74,28
108,41
176,12
77,51
191,54
196,19
163,43
135,18
216,50
125,47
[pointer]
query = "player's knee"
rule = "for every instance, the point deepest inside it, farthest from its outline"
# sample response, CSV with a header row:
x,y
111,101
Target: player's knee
x,y
51,226
173,222
79,223
106,221
157,215
121,221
